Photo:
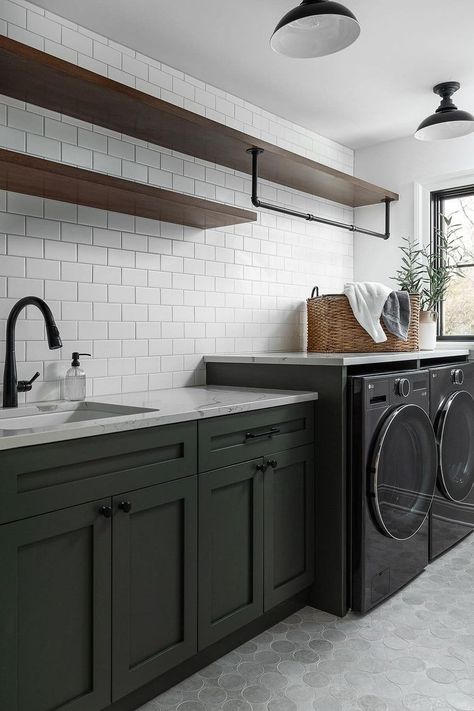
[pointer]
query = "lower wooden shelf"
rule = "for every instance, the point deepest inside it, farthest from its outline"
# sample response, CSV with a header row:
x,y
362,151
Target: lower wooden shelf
x,y
22,173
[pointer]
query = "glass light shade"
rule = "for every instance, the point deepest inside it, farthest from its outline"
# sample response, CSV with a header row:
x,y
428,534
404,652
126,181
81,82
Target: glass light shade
x,y
314,29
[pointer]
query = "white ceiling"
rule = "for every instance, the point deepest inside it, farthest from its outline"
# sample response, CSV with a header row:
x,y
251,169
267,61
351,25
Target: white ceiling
x,y
376,90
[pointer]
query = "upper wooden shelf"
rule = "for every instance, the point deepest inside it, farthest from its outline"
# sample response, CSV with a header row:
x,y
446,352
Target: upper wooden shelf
x,y
33,76
22,173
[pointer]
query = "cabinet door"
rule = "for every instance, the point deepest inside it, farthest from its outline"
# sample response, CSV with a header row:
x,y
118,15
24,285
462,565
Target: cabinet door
x,y
55,611
154,623
230,549
289,524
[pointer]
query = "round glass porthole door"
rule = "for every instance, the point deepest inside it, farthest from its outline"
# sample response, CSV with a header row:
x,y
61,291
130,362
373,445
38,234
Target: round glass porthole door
x,y
404,470
455,430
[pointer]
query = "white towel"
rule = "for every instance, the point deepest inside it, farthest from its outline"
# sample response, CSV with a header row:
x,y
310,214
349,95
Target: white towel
x,y
367,300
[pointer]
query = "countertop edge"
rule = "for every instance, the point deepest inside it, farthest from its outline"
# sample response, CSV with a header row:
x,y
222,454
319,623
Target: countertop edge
x,y
124,423
333,359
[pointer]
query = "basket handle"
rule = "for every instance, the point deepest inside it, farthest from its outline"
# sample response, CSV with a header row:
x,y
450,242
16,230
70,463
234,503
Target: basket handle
x,y
315,291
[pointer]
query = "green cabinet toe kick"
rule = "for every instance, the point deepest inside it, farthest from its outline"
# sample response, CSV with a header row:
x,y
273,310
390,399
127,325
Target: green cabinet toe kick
x,y
132,559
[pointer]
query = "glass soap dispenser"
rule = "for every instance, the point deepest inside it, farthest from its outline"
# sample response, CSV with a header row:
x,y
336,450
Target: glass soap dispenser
x,y
75,381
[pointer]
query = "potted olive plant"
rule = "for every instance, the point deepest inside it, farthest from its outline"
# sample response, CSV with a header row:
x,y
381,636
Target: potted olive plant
x,y
429,273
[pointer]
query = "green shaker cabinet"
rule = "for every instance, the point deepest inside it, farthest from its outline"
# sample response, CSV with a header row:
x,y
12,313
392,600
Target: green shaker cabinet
x,y
256,539
288,495
154,582
126,555
55,611
230,549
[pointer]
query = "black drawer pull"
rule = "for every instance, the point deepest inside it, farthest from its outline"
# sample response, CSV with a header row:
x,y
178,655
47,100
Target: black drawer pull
x,y
267,433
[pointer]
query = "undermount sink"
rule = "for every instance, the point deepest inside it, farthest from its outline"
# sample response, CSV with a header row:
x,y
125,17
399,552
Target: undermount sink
x,y
50,416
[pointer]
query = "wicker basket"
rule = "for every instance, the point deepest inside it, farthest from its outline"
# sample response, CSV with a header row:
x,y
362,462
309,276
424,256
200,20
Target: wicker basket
x,y
333,328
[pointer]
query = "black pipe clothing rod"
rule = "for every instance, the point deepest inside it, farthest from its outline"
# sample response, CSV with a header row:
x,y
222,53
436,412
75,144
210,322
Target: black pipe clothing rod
x,y
255,152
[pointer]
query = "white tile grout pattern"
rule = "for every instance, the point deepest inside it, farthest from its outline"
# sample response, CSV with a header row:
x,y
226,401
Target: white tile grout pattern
x,y
146,298
415,652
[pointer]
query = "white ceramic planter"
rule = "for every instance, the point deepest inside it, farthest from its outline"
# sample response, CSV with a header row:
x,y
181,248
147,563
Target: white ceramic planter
x,y
428,330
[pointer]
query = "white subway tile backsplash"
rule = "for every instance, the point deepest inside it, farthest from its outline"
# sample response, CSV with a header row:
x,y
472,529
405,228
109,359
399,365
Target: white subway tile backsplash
x,y
147,299
13,266
18,287
60,291
80,157
12,138
47,229
106,275
43,269
43,147
24,246
76,41
108,312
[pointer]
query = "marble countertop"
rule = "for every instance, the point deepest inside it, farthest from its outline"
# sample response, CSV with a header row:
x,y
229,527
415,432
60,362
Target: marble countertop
x,y
336,359
164,407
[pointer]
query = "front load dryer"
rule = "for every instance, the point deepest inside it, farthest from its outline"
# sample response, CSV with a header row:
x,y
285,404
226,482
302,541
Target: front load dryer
x,y
452,414
393,470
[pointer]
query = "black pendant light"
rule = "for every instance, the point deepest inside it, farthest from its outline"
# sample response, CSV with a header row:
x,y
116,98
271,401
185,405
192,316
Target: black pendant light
x,y
448,121
314,29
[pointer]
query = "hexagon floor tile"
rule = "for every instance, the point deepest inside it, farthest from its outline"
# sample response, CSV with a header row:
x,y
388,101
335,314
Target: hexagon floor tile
x,y
413,653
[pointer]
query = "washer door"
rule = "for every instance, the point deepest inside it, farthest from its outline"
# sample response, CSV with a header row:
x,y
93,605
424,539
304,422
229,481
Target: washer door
x,y
404,469
455,432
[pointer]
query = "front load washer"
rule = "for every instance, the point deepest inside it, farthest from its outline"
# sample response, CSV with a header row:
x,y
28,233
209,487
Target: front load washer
x,y
393,470
452,413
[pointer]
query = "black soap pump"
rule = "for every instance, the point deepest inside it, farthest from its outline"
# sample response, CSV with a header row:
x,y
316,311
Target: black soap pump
x,y
75,381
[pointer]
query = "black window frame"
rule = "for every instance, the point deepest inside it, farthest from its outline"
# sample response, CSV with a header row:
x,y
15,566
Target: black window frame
x,y
437,197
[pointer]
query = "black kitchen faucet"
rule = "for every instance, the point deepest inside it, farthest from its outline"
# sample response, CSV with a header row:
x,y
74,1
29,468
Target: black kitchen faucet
x,y
11,385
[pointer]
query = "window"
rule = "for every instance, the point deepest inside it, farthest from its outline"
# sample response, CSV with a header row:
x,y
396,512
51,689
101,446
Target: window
x,y
456,313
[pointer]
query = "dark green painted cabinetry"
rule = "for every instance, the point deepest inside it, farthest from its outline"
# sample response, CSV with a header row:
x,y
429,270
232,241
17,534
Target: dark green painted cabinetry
x,y
191,549
154,582
256,538
288,495
238,438
230,549
55,611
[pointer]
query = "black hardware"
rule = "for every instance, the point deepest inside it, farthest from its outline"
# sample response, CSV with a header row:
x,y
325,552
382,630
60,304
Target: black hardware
x,y
261,468
106,511
10,380
267,433
255,152
75,358
272,463
24,386
125,506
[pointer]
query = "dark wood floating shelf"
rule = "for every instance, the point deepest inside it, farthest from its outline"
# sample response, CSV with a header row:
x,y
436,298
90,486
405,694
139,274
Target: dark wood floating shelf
x,y
33,76
23,173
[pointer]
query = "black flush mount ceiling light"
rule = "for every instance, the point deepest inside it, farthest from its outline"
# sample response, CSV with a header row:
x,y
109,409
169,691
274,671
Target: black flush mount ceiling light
x,y
314,29
448,121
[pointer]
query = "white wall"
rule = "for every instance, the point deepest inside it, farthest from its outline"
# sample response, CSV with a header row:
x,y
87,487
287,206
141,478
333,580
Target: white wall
x,y
398,165
147,299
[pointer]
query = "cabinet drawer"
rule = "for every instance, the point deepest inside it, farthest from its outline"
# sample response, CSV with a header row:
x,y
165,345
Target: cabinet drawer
x,y
238,438
47,477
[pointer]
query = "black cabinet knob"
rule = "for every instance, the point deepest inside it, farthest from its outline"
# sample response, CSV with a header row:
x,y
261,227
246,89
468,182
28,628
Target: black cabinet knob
x,y
261,467
106,511
125,506
272,463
